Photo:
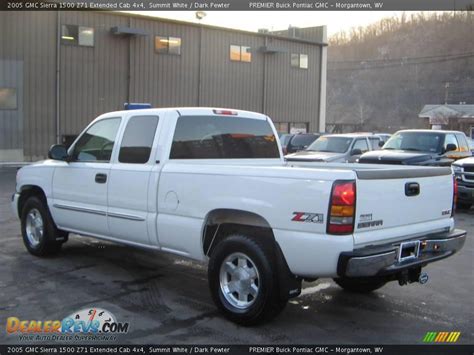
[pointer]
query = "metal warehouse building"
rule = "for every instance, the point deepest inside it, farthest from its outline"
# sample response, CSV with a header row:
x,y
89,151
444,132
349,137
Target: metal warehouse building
x,y
59,70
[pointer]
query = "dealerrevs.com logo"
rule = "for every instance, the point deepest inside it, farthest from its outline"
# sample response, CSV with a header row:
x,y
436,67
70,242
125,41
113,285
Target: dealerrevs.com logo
x,y
85,324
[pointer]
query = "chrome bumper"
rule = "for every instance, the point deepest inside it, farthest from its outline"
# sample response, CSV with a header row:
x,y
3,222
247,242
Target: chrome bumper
x,y
383,260
465,193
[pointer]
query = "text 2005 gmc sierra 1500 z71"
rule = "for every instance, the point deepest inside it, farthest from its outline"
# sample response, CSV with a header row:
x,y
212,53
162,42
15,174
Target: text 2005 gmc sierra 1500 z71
x,y
212,185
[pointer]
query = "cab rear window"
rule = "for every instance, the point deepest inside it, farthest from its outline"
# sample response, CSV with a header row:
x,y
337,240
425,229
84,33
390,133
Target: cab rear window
x,y
223,137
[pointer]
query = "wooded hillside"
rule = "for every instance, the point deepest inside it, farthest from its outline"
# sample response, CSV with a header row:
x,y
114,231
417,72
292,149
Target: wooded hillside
x,y
381,76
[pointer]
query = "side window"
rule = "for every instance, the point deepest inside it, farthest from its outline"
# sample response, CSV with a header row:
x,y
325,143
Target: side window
x,y
97,143
223,137
361,144
374,142
450,139
463,145
138,139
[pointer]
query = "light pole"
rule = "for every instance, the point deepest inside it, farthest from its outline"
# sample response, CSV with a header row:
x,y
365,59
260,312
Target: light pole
x,y
199,16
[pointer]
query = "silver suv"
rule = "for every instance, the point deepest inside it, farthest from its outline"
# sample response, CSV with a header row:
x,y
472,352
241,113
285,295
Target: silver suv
x,y
341,148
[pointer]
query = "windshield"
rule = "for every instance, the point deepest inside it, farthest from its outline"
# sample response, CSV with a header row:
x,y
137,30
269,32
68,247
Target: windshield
x,y
331,144
416,141
303,139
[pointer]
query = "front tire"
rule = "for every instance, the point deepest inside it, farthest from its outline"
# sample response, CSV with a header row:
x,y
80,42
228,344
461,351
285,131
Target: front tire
x,y
360,285
243,280
40,235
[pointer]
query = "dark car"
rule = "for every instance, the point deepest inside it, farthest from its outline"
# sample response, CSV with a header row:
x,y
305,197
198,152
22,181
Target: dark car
x,y
464,171
420,147
301,141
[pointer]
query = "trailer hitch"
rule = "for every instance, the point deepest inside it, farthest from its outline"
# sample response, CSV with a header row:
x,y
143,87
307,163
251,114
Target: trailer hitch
x,y
412,275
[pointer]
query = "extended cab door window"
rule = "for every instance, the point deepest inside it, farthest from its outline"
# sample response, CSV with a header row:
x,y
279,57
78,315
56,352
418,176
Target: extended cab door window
x,y
137,140
361,144
223,137
97,143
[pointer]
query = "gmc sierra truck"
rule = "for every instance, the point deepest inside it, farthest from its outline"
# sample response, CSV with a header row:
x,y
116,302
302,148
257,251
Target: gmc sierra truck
x,y
212,185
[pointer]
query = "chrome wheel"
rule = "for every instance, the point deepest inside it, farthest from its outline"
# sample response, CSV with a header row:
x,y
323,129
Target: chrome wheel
x,y
239,280
34,227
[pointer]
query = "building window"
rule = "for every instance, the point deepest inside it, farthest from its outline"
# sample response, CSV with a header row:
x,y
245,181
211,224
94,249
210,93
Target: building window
x,y
299,60
296,128
168,45
8,99
77,35
240,53
282,127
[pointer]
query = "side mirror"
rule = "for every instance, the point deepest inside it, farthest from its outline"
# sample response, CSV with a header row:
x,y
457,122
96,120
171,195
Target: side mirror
x,y
356,152
381,143
451,147
57,152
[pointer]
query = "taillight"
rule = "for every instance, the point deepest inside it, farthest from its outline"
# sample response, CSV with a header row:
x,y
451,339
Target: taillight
x,y
455,195
341,214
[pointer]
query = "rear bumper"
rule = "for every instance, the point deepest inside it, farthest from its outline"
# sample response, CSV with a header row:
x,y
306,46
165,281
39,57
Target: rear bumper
x,y
384,260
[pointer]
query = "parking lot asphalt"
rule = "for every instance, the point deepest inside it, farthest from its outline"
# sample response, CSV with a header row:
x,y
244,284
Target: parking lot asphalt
x,y
166,300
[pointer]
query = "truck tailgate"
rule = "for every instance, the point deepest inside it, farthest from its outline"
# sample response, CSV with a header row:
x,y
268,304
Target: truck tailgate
x,y
396,204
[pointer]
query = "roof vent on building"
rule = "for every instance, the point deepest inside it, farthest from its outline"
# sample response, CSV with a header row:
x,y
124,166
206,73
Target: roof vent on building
x,y
127,31
263,30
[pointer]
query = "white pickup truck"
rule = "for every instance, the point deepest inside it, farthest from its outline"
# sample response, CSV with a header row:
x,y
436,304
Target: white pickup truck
x,y
212,185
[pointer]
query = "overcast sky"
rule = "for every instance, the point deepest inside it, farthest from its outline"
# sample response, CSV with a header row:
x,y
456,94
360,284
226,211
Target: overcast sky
x,y
278,20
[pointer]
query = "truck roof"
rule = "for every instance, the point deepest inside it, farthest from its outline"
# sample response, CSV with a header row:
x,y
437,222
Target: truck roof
x,y
184,111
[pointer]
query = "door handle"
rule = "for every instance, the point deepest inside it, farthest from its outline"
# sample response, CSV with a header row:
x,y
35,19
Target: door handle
x,y
412,189
101,178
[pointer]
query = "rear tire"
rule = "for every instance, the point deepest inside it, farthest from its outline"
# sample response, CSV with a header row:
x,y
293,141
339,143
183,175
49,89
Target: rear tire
x,y
40,235
360,285
243,280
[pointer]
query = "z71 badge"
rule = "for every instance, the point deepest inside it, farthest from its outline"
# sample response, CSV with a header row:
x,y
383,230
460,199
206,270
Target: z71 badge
x,y
308,217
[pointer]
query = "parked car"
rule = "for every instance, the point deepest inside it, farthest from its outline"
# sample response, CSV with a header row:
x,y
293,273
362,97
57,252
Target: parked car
x,y
421,147
337,148
464,171
284,139
301,141
206,184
